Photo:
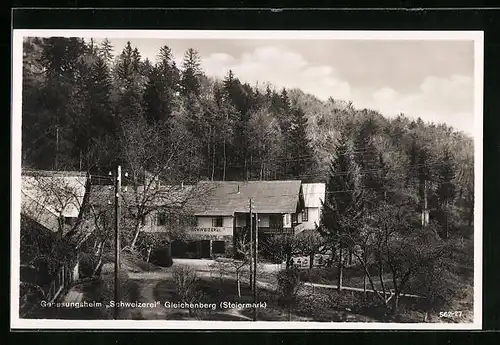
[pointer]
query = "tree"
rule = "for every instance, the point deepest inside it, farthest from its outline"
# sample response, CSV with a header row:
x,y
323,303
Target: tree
x,y
243,252
265,141
105,51
49,241
282,248
446,194
343,209
310,243
154,158
129,85
186,283
289,287
191,72
299,144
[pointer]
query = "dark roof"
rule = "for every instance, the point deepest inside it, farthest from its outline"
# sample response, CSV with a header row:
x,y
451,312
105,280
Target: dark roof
x,y
228,197
163,196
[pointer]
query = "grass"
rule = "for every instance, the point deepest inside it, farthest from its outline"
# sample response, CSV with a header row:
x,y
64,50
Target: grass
x,y
352,277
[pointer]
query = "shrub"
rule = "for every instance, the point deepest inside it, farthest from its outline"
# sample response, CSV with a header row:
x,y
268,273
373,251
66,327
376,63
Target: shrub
x,y
289,286
186,282
87,265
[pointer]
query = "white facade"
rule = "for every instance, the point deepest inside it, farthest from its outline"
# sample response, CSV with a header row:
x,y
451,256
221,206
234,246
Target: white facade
x,y
310,217
208,227
314,195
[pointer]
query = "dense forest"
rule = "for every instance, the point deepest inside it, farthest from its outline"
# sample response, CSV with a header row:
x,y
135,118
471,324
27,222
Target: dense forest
x,y
87,109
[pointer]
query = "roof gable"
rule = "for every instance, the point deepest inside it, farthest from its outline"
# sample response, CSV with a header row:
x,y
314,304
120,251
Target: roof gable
x,y
314,194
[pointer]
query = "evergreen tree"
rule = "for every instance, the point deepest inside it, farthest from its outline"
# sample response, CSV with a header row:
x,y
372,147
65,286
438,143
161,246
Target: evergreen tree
x,y
191,72
343,208
62,61
128,84
105,51
299,145
136,61
123,67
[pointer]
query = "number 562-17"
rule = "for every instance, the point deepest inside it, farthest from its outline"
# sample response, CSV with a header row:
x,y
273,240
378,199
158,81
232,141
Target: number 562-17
x,y
450,314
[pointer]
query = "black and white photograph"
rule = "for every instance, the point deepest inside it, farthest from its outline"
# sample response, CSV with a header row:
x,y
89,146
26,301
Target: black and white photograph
x,y
246,179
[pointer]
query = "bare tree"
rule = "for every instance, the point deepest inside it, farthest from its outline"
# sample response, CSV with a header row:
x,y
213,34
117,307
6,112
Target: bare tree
x,y
289,287
52,230
398,248
153,159
243,249
186,282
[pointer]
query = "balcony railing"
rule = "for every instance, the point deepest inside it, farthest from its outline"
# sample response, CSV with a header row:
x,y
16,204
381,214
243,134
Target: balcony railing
x,y
266,230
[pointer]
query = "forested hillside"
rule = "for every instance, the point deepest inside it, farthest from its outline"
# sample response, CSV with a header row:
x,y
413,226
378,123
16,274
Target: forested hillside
x,y
86,109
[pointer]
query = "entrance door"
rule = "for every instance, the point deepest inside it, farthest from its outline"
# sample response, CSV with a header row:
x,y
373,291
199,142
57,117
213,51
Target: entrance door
x,y
205,249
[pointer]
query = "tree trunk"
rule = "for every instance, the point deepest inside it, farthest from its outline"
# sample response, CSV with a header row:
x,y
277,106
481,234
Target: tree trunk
x,y
246,169
149,254
340,270
251,165
224,160
208,151
365,276
136,236
98,266
395,304
381,277
213,160
364,285
311,260
238,283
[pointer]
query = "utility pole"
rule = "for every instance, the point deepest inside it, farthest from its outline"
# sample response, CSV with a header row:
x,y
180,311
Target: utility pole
x,y
118,181
251,245
255,266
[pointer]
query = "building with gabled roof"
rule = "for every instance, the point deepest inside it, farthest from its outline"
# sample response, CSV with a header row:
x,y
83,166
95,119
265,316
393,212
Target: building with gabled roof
x,y
314,196
52,226
224,212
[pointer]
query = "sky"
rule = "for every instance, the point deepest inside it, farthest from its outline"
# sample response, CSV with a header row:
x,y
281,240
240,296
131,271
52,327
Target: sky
x,y
428,79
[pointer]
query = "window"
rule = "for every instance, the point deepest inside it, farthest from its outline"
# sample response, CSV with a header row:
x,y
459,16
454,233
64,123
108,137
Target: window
x,y
286,220
305,215
161,219
69,220
217,222
295,218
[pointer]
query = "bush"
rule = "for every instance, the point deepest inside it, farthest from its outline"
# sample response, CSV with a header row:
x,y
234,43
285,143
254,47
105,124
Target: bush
x,y
186,283
87,264
289,286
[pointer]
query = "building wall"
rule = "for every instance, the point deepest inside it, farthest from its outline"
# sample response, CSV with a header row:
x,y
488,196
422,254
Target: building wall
x,y
313,217
150,223
264,220
206,230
